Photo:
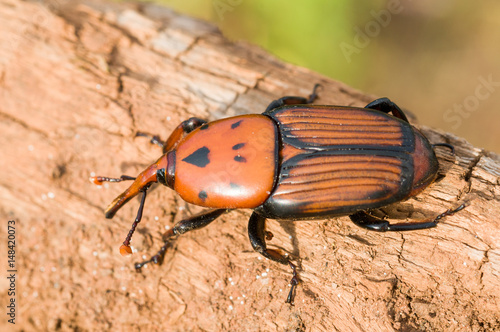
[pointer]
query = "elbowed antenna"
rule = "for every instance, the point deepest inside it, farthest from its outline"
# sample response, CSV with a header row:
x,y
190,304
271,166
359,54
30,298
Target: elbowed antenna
x,y
141,183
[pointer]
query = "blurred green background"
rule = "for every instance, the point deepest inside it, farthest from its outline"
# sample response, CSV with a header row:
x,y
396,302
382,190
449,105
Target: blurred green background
x,y
439,59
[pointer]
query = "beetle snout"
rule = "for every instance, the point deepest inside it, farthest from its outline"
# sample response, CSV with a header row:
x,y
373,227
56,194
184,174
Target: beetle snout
x,y
141,183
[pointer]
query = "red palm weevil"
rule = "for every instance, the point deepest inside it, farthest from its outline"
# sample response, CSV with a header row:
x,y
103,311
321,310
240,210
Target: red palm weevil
x,y
294,161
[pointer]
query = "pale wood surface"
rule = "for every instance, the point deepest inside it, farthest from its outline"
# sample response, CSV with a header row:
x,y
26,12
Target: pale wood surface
x,y
78,80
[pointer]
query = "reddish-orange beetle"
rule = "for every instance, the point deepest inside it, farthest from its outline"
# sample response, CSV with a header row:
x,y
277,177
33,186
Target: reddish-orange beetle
x,y
294,161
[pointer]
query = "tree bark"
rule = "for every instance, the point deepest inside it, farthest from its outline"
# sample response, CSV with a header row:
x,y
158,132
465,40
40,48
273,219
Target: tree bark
x,y
79,79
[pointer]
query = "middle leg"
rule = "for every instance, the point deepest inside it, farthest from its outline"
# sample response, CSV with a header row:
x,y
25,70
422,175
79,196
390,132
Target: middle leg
x,y
258,235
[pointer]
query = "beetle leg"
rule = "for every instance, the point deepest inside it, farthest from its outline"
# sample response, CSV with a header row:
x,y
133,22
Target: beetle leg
x,y
182,130
257,235
365,220
153,139
446,145
387,106
183,226
294,100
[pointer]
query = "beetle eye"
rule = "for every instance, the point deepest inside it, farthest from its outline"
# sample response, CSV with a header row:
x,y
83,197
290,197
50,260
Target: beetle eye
x,y
160,176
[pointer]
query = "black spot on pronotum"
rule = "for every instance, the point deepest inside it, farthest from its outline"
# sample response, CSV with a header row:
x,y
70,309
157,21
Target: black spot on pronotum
x,y
199,157
203,127
236,124
234,185
240,159
203,195
238,146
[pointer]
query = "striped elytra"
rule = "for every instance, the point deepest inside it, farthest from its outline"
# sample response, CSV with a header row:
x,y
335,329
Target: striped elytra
x,y
338,160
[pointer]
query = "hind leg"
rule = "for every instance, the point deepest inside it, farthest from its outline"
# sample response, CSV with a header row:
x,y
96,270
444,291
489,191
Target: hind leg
x,y
294,100
367,221
387,106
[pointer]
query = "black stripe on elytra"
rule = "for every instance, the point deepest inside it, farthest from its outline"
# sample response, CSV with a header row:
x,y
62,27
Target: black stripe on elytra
x,y
203,127
240,159
199,157
236,124
238,146
203,195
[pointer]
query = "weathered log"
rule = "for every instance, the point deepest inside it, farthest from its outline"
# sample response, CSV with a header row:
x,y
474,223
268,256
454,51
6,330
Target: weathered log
x,y
77,80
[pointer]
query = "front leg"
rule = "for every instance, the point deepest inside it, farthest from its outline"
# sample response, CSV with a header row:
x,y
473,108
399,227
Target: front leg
x,y
194,222
182,130
257,235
